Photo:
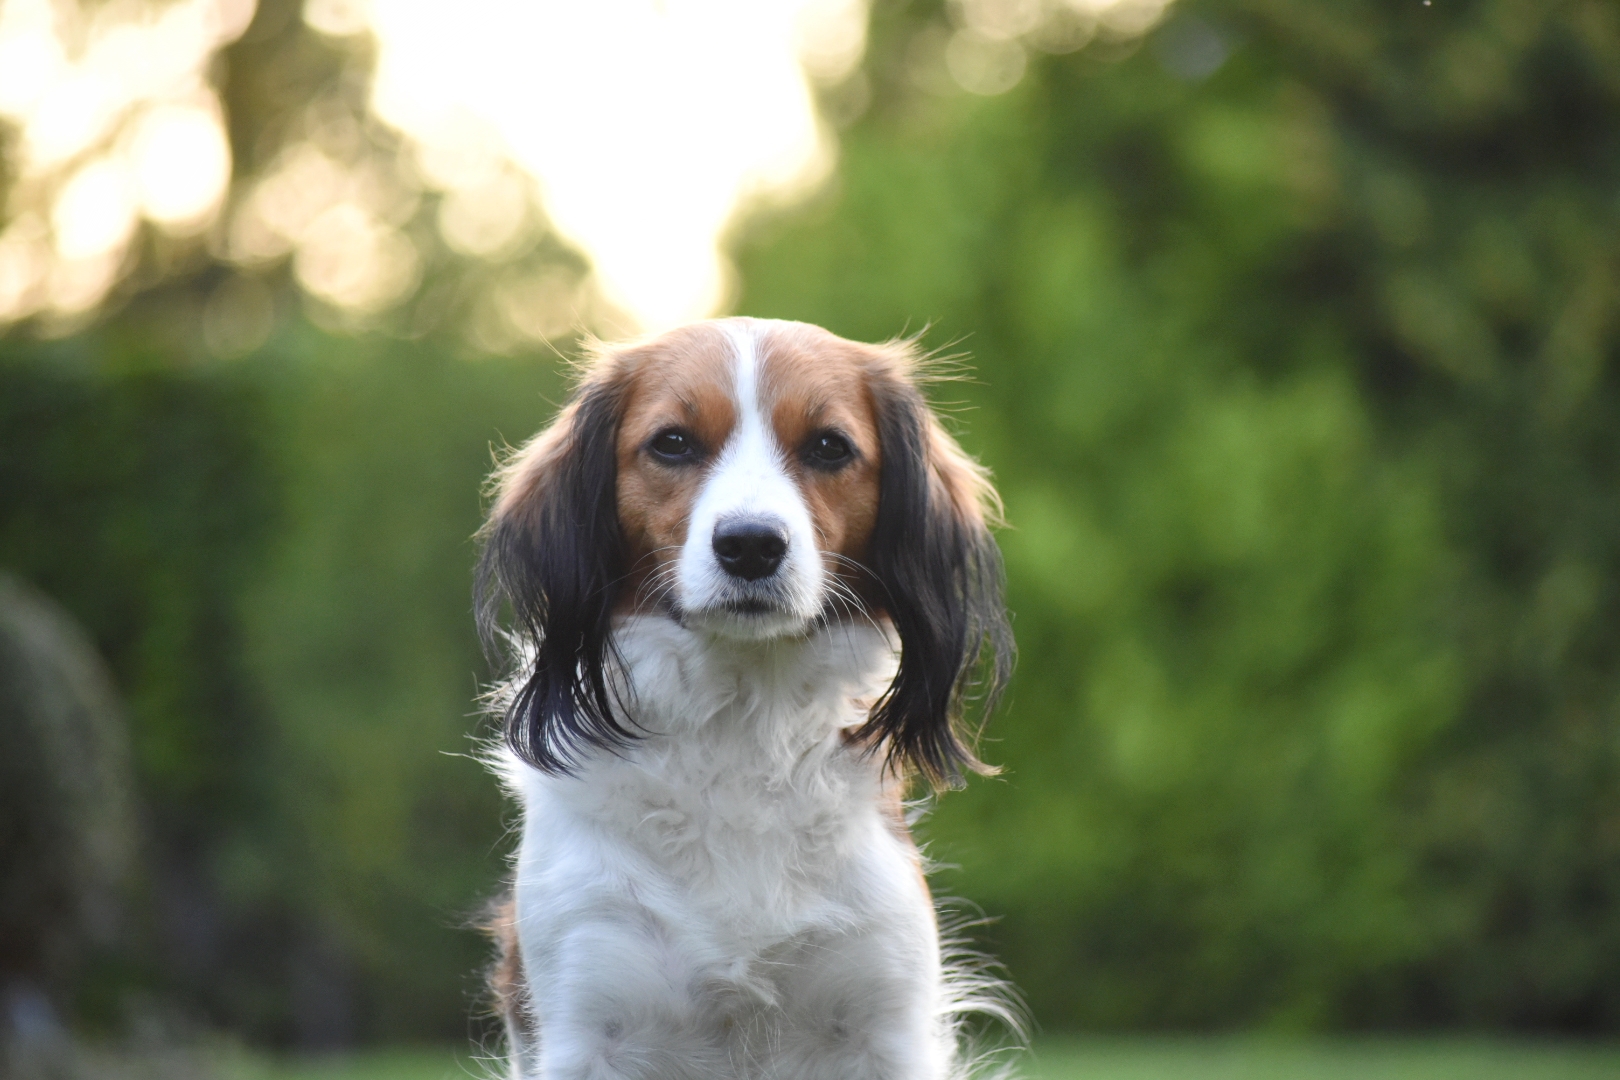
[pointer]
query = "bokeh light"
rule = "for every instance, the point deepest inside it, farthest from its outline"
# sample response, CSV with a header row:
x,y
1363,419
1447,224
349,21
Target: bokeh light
x,y
182,164
988,51
116,121
637,132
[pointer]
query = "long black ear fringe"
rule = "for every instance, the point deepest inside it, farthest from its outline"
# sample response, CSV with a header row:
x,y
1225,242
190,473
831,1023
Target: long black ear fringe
x,y
940,578
557,561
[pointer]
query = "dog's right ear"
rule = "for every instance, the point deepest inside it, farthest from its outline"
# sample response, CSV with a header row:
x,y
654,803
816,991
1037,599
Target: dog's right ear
x,y
553,551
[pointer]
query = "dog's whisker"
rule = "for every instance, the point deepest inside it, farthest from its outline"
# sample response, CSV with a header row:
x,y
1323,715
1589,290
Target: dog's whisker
x,y
852,604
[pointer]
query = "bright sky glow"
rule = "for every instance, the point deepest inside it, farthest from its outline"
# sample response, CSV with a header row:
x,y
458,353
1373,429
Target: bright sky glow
x,y
640,130
646,123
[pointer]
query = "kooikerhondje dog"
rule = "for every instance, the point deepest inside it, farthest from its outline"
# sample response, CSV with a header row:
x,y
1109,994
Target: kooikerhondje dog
x,y
750,580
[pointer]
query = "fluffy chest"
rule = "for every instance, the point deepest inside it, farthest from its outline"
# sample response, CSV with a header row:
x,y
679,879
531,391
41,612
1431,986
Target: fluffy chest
x,y
742,801
722,820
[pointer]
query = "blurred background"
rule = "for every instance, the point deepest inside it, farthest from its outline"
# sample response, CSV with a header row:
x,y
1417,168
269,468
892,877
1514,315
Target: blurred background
x,y
1296,339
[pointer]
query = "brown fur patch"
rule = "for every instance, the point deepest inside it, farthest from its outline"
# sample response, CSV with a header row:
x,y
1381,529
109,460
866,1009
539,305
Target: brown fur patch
x,y
813,381
506,982
683,379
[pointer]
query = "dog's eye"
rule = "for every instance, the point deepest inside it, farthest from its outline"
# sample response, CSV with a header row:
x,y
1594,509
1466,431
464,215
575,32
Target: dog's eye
x,y
828,450
673,445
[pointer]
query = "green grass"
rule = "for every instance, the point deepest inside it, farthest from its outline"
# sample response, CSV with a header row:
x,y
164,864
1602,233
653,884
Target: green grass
x,y
458,1064
1362,1059
1125,1059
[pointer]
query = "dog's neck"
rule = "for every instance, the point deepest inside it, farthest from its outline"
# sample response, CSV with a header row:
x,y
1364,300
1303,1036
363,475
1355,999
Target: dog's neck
x,y
780,696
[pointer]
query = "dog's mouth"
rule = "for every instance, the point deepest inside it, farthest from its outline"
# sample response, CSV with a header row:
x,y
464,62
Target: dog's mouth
x,y
752,605
761,615
740,605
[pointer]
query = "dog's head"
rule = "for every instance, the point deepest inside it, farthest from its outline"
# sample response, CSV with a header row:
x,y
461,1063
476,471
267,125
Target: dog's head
x,y
754,480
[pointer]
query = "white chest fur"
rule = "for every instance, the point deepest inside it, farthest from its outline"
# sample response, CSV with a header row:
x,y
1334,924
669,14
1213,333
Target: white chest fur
x,y
728,897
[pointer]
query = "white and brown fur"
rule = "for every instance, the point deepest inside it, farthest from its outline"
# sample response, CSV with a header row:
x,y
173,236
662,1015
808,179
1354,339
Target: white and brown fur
x,y
749,580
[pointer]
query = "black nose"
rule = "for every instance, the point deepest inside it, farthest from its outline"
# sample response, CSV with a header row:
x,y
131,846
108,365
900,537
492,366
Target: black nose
x,y
750,549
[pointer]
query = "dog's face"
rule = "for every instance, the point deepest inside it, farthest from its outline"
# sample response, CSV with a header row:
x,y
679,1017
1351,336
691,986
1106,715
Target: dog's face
x,y
748,478
751,480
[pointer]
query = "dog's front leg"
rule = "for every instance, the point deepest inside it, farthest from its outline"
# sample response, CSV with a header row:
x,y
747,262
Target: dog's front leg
x,y
614,999
861,1005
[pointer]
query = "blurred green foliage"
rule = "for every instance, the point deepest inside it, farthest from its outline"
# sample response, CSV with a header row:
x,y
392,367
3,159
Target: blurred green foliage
x,y
361,638
1297,373
1298,379
139,498
275,557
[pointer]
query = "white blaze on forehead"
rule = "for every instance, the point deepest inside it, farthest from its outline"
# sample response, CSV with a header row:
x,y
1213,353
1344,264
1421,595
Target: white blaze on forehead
x,y
749,477
750,421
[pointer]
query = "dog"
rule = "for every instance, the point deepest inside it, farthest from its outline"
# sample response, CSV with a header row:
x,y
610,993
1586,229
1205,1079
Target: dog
x,y
746,584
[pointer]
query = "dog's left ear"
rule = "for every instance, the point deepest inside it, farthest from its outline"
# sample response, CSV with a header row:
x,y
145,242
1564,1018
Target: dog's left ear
x,y
938,575
553,551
